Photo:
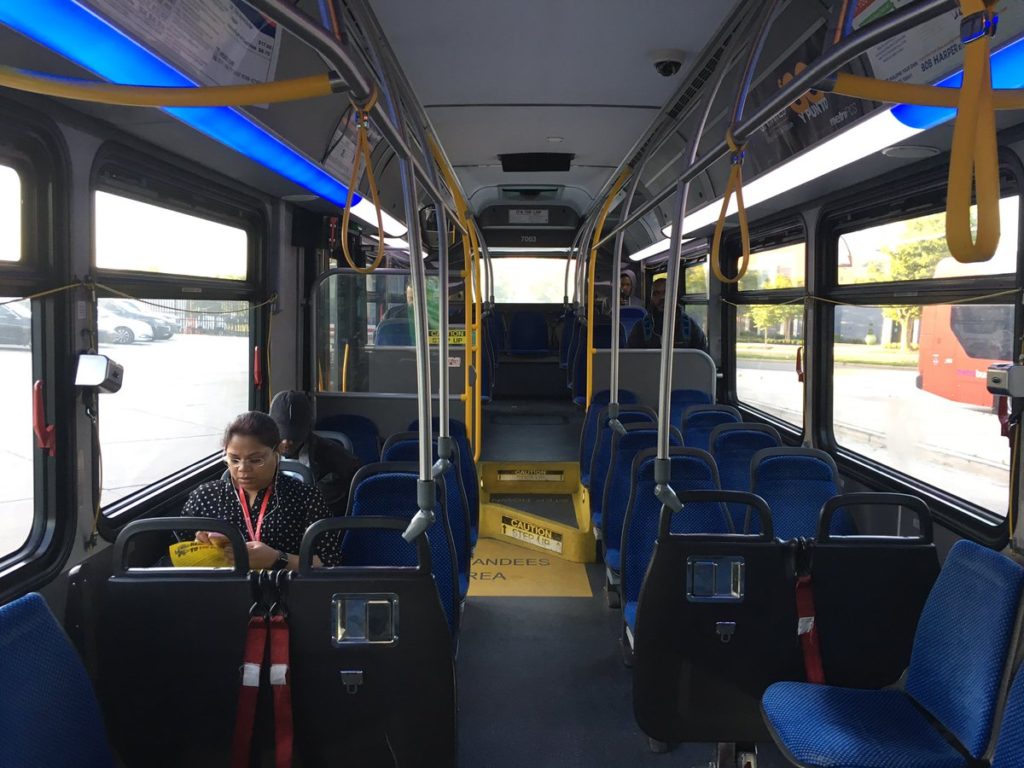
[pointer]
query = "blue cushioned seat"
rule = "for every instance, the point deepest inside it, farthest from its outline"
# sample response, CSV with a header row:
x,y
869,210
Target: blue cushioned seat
x,y
388,489
634,414
48,710
405,446
958,670
699,420
689,470
733,447
528,333
1010,747
394,332
589,433
681,399
630,316
361,431
624,449
796,483
470,481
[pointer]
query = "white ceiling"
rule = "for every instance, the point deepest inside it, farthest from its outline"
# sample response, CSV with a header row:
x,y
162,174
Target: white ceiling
x,y
499,77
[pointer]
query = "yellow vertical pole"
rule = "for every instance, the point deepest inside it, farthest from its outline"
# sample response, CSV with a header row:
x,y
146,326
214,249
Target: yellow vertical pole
x,y
477,346
590,280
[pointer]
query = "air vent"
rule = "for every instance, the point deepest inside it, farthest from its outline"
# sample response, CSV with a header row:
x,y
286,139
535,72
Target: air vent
x,y
531,194
535,162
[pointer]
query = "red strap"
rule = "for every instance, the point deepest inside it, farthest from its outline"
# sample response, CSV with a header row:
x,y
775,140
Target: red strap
x,y
808,630
279,684
252,663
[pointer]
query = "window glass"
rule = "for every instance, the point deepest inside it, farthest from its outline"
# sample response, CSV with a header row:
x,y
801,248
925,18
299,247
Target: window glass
x,y
17,509
909,391
696,280
365,333
136,236
915,249
775,268
698,312
186,375
530,280
10,214
767,339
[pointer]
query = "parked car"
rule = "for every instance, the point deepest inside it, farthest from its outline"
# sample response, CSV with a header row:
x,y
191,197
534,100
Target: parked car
x,y
124,308
15,324
161,313
118,329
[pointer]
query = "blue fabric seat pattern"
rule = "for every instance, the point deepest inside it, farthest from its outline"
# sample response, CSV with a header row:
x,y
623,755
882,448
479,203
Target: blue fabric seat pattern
x,y
361,431
699,420
48,709
470,481
733,447
393,494
963,644
796,483
690,470
630,316
619,482
394,332
589,434
681,399
603,454
1010,746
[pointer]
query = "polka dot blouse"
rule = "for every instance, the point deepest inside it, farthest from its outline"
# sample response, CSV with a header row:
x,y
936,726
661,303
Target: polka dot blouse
x,y
294,506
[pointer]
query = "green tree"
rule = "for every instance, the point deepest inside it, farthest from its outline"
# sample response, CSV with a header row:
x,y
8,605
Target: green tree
x,y
921,246
768,316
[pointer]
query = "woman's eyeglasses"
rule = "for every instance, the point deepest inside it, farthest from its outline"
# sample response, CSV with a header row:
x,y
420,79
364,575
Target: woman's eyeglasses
x,y
256,462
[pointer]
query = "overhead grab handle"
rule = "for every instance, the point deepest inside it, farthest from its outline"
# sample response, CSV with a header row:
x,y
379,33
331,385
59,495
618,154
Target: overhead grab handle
x,y
733,187
362,154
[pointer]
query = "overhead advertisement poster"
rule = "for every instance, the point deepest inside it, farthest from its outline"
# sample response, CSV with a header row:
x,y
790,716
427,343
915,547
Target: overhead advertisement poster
x,y
214,42
931,50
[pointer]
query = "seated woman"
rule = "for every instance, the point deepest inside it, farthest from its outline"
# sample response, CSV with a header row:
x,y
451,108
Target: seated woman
x,y
271,510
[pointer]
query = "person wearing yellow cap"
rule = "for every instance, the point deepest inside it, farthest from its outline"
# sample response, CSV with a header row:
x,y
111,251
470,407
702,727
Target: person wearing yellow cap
x,y
646,334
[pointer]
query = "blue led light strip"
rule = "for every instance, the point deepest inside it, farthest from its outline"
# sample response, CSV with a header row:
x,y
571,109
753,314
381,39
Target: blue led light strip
x,y
1007,72
79,35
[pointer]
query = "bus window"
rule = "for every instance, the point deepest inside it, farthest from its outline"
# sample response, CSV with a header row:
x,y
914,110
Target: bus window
x,y
909,391
136,236
10,214
530,280
17,508
767,339
775,268
914,249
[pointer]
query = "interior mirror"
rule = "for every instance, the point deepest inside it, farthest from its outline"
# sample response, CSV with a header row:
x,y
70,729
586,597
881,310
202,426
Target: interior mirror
x,y
98,371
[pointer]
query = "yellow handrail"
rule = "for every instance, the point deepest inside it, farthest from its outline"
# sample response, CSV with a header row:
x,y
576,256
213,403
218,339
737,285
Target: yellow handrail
x,y
363,152
592,271
733,186
294,89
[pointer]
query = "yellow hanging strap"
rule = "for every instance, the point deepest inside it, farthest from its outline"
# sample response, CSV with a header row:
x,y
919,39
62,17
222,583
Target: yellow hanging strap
x,y
363,151
591,275
162,96
974,154
733,186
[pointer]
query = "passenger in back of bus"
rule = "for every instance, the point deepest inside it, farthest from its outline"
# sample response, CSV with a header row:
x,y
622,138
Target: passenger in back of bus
x,y
646,334
627,290
271,509
333,467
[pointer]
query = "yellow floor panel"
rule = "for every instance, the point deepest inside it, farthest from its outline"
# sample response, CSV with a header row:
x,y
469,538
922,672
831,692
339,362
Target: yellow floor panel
x,y
500,569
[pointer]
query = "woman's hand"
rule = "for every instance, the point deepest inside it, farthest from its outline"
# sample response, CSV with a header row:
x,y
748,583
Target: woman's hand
x,y
212,537
260,555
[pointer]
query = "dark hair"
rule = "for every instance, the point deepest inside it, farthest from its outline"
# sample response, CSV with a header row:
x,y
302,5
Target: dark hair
x,y
254,424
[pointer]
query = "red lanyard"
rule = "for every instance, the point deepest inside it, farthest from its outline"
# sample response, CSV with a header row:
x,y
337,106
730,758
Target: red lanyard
x,y
244,501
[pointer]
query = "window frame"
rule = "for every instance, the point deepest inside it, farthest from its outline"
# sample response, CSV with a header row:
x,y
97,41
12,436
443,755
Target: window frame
x,y
898,197
180,186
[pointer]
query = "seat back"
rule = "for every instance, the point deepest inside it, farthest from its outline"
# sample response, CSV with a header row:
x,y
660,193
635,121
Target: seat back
x,y
405,446
338,437
869,592
1010,746
681,399
796,483
960,663
699,420
691,469
568,323
630,316
49,711
470,481
572,352
296,469
402,711
589,432
393,332
362,432
733,446
599,463
633,439
714,628
158,631
528,333
388,489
